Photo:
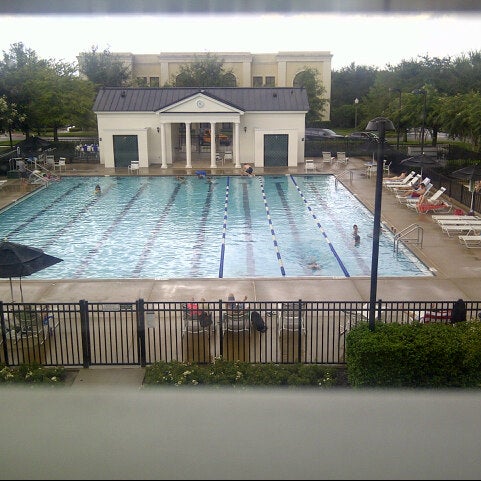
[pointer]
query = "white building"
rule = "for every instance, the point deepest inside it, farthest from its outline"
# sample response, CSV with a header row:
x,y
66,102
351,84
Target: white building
x,y
264,126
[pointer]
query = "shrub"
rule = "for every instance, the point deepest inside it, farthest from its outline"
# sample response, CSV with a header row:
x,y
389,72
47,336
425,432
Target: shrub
x,y
414,355
32,374
236,373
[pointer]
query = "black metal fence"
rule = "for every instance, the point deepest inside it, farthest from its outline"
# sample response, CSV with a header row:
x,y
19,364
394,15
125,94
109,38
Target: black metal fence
x,y
141,333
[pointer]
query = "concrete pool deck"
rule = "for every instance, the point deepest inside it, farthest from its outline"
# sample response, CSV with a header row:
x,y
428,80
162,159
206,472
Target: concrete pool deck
x,y
457,270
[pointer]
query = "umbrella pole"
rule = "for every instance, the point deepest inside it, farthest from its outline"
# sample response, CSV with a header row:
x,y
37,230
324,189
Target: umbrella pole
x,y
11,288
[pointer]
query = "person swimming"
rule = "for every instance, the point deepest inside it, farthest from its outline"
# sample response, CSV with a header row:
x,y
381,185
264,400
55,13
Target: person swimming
x,y
98,190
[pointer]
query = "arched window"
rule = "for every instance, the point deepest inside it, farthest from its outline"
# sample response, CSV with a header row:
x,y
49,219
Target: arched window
x,y
297,82
230,80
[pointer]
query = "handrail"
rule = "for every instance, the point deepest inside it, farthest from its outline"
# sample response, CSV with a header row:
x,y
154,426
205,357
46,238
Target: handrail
x,y
403,234
343,174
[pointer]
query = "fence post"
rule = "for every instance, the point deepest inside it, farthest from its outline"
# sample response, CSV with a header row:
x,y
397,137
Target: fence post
x,y
4,335
221,331
379,302
140,308
85,333
299,327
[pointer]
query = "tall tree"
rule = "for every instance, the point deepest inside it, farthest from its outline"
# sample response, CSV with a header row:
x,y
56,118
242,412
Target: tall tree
x,y
309,79
103,69
207,71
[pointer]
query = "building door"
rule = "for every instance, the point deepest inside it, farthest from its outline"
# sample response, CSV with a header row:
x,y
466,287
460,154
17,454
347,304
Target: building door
x,y
126,150
276,150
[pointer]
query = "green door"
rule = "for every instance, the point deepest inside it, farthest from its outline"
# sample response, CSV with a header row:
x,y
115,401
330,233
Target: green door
x,y
126,150
276,150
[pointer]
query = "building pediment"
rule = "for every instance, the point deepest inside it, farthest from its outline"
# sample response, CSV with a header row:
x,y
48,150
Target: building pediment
x,y
201,104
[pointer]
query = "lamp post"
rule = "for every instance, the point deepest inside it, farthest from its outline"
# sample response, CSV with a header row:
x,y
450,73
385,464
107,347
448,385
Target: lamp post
x,y
422,92
381,124
356,101
398,115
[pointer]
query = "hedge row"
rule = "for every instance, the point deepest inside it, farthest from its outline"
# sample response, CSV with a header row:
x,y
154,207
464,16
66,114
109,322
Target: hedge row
x,y
415,355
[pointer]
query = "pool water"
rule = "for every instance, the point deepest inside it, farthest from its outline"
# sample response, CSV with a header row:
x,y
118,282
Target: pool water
x,y
226,226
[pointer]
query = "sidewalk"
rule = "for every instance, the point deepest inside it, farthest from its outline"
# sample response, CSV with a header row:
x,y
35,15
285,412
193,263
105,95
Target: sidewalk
x,y
106,378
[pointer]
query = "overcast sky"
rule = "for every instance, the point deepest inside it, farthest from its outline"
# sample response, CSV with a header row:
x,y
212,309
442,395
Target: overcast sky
x,y
374,40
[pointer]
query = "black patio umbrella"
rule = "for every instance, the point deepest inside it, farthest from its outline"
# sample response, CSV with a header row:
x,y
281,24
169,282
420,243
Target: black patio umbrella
x,y
18,260
471,173
421,160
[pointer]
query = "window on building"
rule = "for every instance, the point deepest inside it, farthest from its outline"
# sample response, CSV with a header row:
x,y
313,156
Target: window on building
x,y
154,81
270,81
257,81
230,80
142,81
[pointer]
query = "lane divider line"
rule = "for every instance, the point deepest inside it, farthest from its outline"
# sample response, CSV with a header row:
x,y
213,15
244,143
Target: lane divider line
x,y
273,233
341,264
224,229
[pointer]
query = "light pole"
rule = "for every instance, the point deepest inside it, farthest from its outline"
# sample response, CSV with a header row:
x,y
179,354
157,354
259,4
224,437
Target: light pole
x,y
381,124
356,101
422,92
398,115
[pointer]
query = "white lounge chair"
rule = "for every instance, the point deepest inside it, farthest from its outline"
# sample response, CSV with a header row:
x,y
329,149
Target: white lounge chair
x,y
290,318
433,204
469,228
327,158
401,197
309,165
470,241
408,185
406,179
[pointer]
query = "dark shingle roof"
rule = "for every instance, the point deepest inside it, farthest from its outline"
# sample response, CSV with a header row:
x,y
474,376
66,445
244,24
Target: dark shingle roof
x,y
247,99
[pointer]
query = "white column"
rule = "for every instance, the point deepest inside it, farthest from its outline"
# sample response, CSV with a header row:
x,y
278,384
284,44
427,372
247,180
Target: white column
x,y
188,146
212,146
236,139
163,146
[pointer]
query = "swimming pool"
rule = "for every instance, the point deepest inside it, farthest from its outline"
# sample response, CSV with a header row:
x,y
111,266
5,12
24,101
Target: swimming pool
x,y
160,227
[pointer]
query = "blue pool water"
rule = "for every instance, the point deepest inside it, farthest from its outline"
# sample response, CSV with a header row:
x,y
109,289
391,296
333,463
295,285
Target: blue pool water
x,y
232,227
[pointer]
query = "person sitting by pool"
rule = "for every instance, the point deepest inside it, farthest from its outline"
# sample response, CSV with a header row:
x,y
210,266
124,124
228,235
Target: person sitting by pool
x,y
248,170
401,176
416,191
98,190
232,304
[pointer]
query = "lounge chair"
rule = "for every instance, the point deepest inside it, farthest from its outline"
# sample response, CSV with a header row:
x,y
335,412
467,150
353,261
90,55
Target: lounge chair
x,y
193,321
395,187
401,197
470,241
236,321
406,179
423,205
327,158
291,318
469,228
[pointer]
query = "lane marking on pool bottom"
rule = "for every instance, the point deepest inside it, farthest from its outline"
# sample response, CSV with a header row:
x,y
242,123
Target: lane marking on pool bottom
x,y
273,233
341,264
224,228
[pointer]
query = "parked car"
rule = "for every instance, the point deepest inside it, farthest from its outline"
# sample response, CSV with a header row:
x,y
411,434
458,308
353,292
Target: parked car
x,y
205,138
316,134
363,136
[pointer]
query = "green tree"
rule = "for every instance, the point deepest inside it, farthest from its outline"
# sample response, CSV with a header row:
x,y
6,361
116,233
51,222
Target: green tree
x,y
103,69
350,83
208,71
309,79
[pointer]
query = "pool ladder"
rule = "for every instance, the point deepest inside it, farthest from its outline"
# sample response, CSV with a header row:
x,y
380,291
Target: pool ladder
x,y
412,234
344,174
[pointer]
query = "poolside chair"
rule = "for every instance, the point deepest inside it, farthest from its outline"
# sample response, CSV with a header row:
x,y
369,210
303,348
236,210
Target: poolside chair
x,y
236,321
291,318
60,164
395,187
413,202
327,158
134,167
401,197
406,179
433,203
341,158
195,320
309,165
470,241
